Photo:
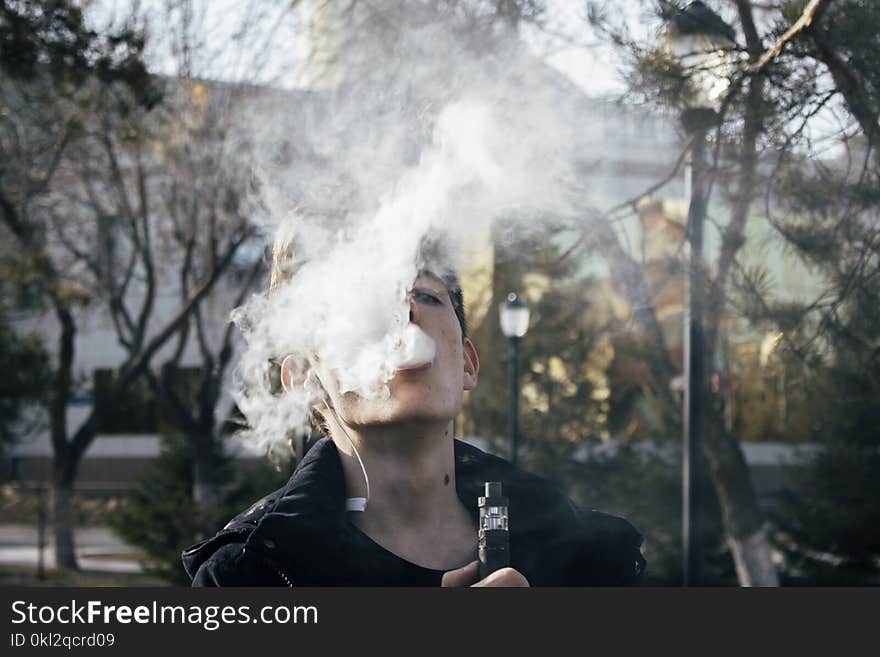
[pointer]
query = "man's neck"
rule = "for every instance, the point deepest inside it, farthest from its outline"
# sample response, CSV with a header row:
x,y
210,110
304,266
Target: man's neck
x,y
411,468
413,509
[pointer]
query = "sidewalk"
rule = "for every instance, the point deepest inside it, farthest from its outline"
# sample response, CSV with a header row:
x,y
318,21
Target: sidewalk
x,y
97,549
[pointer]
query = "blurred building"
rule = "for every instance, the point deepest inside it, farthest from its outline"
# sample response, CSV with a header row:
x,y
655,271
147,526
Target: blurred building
x,y
626,150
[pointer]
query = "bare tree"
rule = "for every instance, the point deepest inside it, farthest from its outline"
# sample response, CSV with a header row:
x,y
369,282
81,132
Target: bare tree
x,y
162,200
111,202
50,70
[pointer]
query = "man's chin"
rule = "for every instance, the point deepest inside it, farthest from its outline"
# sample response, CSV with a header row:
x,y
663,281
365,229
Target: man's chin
x,y
408,404
407,416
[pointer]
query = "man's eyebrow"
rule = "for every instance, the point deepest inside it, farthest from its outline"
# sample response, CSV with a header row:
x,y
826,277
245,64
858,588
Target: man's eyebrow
x,y
427,273
432,278
439,291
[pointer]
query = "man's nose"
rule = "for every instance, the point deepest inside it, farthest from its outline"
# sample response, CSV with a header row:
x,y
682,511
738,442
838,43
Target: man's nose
x,y
413,311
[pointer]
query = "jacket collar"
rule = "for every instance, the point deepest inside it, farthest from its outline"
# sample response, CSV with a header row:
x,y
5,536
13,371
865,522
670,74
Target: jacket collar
x,y
306,520
316,490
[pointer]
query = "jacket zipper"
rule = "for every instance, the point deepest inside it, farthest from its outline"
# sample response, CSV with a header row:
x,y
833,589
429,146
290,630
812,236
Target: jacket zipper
x,y
278,571
275,568
284,577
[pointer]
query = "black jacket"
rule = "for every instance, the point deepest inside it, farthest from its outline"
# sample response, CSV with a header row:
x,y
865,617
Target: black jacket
x,y
300,534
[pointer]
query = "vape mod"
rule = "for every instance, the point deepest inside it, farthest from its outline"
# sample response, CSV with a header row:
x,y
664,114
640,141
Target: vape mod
x,y
494,542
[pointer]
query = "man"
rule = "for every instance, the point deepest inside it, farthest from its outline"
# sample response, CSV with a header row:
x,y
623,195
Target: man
x,y
419,525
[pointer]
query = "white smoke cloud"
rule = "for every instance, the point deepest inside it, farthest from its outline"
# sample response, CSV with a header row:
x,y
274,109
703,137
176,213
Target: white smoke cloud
x,y
430,148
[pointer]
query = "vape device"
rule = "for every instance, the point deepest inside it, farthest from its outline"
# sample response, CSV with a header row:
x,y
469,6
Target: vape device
x,y
494,538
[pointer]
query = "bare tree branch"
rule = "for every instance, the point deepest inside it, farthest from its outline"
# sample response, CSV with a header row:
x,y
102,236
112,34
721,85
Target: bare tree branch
x,y
631,203
138,363
811,14
148,258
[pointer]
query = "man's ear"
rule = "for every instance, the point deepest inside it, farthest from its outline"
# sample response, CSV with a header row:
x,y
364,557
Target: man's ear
x,y
471,364
293,372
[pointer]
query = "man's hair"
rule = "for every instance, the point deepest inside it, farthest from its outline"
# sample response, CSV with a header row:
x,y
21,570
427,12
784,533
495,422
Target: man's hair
x,y
453,286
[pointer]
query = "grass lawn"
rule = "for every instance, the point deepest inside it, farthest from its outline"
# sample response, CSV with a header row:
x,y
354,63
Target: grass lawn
x,y
27,576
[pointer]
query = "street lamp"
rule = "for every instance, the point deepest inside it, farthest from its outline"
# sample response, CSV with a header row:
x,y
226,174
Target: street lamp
x,y
514,316
700,40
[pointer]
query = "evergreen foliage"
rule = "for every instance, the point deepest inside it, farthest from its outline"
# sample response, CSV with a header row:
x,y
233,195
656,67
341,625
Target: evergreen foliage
x,y
831,351
797,143
642,482
160,517
25,367
561,359
52,38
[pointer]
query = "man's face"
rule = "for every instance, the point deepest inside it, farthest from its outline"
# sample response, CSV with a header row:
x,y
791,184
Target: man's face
x,y
430,393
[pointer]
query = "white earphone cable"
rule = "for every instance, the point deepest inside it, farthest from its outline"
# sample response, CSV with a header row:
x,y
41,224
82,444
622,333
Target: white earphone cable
x,y
353,503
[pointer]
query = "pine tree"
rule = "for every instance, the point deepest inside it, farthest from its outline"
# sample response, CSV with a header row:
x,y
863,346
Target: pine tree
x,y
790,63
160,517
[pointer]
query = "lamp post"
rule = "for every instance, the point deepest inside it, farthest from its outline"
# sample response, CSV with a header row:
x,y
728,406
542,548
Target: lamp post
x,y
698,38
514,317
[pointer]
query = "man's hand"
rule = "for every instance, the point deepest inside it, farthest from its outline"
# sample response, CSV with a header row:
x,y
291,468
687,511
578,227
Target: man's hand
x,y
467,576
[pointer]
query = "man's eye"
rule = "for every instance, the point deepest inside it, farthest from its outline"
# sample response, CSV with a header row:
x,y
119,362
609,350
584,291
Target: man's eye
x,y
424,297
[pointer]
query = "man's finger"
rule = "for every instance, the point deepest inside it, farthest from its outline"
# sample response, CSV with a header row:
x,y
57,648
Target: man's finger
x,y
464,576
504,577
